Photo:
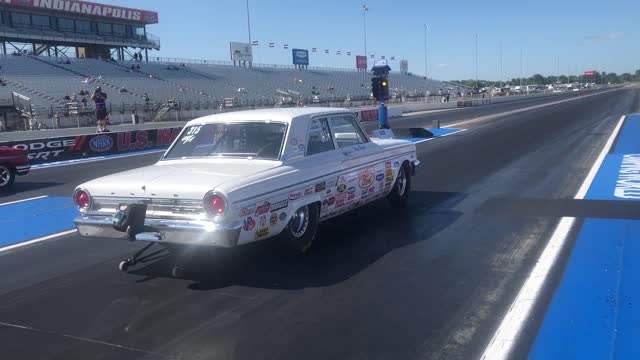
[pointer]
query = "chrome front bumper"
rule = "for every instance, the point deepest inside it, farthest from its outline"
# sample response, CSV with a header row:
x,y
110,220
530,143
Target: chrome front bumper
x,y
181,232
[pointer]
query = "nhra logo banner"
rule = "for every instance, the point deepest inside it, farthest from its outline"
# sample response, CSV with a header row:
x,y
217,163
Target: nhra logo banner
x,y
49,150
300,57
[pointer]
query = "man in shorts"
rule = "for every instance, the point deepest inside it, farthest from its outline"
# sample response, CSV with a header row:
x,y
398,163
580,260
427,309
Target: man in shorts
x,y
100,100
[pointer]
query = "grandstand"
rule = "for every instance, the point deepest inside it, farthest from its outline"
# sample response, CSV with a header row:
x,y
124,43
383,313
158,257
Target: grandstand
x,y
53,49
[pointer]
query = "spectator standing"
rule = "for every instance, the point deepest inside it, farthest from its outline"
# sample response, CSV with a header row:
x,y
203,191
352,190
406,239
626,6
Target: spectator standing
x,y
100,100
57,117
67,97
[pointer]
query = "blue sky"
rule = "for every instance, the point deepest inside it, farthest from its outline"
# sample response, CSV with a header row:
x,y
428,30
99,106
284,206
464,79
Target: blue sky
x,y
582,34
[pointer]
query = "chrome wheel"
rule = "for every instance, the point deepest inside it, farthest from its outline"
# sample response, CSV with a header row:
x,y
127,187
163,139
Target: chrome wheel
x,y
5,175
299,222
401,181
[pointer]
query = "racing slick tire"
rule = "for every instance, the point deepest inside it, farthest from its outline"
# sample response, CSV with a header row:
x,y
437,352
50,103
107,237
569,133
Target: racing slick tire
x,y
399,195
302,228
7,177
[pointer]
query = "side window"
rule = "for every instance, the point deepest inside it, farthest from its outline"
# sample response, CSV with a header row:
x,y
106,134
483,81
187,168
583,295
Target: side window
x,y
345,131
319,137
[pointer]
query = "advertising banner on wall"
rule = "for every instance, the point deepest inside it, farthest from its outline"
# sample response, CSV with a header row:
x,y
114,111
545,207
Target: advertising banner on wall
x,y
590,73
240,51
361,62
300,56
50,150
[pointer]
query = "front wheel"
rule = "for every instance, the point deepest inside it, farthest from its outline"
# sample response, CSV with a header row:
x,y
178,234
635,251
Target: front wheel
x,y
399,195
7,177
302,228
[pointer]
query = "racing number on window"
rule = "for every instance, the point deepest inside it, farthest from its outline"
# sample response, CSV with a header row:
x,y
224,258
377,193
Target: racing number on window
x,y
191,134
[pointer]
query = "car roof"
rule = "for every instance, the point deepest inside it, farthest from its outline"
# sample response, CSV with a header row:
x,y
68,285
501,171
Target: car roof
x,y
284,115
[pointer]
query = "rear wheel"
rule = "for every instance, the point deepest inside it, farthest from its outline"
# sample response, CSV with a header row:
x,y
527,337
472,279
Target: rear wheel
x,y
302,228
399,195
7,177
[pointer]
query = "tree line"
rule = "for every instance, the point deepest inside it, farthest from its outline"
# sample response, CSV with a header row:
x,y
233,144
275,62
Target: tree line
x,y
537,79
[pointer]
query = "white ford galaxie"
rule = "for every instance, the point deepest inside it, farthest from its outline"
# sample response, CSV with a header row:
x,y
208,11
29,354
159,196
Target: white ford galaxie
x,y
234,178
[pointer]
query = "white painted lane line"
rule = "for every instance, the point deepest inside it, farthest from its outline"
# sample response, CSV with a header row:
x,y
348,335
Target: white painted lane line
x,y
34,241
78,338
508,333
24,200
89,160
517,111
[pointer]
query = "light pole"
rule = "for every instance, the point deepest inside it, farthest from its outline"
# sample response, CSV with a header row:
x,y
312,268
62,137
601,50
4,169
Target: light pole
x,y
476,60
365,8
426,73
500,65
521,70
249,29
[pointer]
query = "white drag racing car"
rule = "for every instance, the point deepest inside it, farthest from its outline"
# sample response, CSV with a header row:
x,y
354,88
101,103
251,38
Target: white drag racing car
x,y
234,178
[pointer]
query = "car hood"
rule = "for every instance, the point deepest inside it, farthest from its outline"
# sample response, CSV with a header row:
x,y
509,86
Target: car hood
x,y
176,179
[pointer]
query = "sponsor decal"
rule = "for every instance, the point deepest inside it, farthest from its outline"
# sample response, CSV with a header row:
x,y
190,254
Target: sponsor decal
x,y
283,216
340,200
351,197
293,142
295,195
263,232
320,186
301,147
263,209
328,192
364,193
329,201
351,190
248,224
379,177
279,205
359,147
247,210
263,220
101,143
372,189
308,190
342,188
365,179
396,164
273,219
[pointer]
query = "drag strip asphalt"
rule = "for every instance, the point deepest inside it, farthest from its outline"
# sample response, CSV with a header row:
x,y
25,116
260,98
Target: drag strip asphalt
x,y
432,281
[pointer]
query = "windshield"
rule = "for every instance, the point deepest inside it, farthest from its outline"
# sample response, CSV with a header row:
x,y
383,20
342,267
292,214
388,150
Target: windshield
x,y
247,139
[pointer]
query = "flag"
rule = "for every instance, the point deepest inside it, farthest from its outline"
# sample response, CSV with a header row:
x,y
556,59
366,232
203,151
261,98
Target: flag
x,y
272,45
254,43
338,52
393,58
373,56
382,57
326,51
349,53
314,49
286,46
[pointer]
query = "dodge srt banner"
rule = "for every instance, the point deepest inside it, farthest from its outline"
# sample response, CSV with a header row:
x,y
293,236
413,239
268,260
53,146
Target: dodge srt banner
x,y
84,146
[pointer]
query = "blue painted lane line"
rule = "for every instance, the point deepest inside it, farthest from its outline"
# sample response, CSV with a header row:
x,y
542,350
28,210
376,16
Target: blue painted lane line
x,y
595,312
627,142
35,218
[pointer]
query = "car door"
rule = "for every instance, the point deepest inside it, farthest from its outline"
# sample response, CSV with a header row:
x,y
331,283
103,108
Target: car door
x,y
362,177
